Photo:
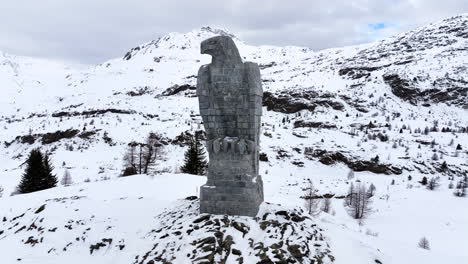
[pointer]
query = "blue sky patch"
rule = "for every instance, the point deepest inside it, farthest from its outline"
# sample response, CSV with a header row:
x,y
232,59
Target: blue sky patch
x,y
377,26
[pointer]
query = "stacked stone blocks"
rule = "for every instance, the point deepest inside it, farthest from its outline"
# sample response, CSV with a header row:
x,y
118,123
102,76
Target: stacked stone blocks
x,y
230,100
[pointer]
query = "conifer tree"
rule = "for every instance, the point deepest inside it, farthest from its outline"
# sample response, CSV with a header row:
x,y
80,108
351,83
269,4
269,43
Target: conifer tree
x,y
38,173
195,158
49,179
423,181
66,179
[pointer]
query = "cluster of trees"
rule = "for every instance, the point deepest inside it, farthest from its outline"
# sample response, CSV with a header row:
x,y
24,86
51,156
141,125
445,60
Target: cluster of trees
x,y
358,200
38,174
434,183
460,190
140,158
315,203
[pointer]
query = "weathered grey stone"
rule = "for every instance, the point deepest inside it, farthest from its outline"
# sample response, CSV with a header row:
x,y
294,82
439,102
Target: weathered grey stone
x,y
230,95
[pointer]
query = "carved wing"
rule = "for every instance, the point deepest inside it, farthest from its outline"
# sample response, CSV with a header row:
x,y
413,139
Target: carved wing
x,y
254,81
253,78
203,87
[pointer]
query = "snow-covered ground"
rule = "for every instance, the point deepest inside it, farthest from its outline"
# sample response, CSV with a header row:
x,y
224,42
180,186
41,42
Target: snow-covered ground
x,y
126,209
124,99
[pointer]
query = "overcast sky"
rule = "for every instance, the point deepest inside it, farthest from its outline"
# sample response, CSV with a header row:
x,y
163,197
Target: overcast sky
x,y
92,31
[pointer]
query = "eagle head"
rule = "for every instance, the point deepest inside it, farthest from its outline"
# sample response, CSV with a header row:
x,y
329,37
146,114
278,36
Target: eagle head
x,y
222,48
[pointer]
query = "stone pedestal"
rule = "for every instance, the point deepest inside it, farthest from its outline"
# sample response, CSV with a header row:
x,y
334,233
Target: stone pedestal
x,y
231,200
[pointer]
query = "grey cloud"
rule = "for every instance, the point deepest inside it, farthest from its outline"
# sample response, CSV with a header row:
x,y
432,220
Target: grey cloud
x,y
90,31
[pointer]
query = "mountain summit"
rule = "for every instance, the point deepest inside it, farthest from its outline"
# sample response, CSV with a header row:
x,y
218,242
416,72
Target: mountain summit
x,y
179,41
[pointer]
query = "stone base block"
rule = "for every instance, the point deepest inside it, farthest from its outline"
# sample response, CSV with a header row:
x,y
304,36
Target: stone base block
x,y
231,200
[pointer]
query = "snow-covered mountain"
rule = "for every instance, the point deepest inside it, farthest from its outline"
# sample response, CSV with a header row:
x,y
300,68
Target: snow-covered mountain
x,y
386,110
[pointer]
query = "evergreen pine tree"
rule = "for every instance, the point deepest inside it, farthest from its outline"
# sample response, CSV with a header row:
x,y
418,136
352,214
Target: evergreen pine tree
x,y
195,158
49,180
423,181
66,179
32,177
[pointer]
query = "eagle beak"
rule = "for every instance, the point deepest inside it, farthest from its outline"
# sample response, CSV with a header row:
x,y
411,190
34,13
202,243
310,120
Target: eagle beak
x,y
206,47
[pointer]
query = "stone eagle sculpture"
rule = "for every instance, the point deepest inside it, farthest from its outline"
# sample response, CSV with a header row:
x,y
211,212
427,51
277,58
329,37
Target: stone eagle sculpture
x,y
230,100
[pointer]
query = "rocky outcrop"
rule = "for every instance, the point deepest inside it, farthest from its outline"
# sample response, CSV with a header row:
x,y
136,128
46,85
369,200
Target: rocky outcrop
x,y
93,112
293,102
313,124
176,89
356,164
49,138
359,72
446,90
276,235
52,137
401,87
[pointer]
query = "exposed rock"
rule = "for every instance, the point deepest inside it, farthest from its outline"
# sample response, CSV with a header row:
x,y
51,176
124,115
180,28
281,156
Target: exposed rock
x,y
446,90
401,87
140,91
49,138
266,66
177,89
40,209
302,123
280,236
295,102
332,157
104,242
87,134
263,157
93,112
359,72
52,137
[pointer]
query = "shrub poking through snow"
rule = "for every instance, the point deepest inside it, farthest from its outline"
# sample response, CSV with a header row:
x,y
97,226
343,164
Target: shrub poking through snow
x,y
460,190
433,183
424,243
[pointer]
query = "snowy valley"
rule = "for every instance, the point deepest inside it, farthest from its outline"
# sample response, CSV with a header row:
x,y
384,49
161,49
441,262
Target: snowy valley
x,y
392,112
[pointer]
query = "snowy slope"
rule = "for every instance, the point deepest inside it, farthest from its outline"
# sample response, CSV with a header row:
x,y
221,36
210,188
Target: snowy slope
x,y
326,112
